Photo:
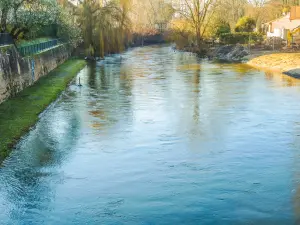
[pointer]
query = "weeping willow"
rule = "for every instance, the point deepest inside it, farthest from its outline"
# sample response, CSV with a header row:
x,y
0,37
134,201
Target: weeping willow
x,y
105,26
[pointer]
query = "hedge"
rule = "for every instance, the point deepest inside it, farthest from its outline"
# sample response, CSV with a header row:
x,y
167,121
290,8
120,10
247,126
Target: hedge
x,y
241,37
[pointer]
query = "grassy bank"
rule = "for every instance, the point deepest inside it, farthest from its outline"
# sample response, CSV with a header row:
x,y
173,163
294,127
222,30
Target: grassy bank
x,y
23,43
288,63
18,114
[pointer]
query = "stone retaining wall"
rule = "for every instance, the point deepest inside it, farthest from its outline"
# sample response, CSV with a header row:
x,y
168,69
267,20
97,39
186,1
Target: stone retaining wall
x,y
17,73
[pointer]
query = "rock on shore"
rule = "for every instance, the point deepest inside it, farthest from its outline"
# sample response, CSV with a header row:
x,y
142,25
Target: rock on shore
x,y
231,53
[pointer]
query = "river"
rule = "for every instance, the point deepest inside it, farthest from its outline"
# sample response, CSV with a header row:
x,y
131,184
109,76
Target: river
x,y
160,137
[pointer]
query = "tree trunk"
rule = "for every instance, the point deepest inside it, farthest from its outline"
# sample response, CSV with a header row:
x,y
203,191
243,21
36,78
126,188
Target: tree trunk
x,y
4,20
101,47
198,36
16,35
13,31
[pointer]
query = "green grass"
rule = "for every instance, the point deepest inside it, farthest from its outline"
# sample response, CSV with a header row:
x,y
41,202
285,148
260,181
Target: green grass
x,y
20,113
4,48
22,43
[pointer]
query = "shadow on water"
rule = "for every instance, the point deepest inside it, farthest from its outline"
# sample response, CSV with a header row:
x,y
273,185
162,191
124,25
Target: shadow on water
x,y
25,174
92,75
282,79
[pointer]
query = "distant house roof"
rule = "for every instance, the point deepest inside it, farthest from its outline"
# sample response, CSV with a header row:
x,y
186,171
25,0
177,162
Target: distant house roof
x,y
285,22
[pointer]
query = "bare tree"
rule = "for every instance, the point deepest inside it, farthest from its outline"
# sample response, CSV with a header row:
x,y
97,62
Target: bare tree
x,y
198,14
231,10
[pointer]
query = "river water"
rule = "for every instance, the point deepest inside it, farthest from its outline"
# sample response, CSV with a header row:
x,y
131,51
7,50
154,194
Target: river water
x,y
160,137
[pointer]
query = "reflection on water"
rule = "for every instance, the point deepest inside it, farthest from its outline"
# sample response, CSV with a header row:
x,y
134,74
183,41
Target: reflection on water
x,y
160,137
189,67
282,79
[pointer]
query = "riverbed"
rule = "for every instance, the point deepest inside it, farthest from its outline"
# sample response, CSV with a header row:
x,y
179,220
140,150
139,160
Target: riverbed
x,y
155,136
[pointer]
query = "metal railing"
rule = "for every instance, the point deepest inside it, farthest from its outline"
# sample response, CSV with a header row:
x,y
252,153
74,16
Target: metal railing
x,y
36,48
6,39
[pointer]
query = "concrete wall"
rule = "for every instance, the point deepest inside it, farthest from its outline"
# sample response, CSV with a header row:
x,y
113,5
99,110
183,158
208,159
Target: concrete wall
x,y
17,73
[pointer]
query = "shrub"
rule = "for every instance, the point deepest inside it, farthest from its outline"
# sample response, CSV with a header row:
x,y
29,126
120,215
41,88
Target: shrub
x,y
245,24
222,29
241,38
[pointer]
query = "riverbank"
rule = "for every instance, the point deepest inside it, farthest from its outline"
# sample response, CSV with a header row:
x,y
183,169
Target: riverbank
x,y
20,113
287,63
282,62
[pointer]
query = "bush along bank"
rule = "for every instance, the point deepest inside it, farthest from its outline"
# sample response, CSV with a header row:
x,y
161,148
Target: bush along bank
x,y
241,38
21,112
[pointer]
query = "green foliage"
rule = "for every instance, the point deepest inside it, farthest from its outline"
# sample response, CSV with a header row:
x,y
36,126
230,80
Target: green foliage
x,y
105,28
286,9
23,42
41,31
222,28
67,28
245,24
18,114
33,17
241,38
90,51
